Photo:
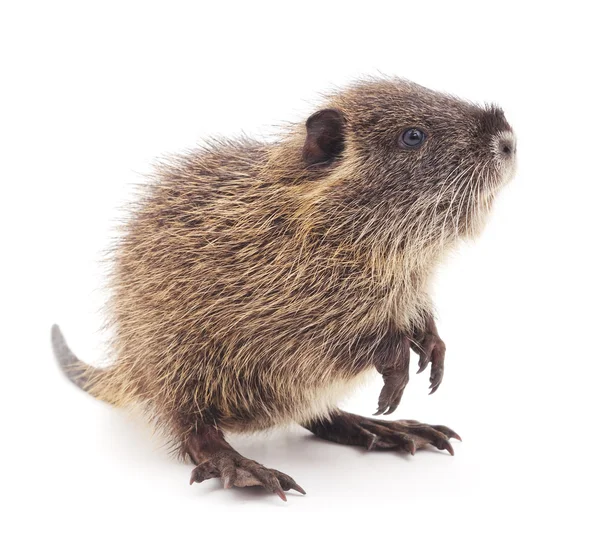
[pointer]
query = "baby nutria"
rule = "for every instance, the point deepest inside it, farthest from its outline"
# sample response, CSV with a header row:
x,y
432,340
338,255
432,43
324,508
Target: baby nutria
x,y
257,284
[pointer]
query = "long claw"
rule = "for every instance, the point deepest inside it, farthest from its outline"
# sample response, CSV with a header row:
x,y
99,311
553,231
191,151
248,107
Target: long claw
x,y
298,488
448,432
281,494
448,447
391,409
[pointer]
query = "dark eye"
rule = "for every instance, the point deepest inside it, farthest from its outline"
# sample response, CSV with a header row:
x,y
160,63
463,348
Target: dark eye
x,y
412,138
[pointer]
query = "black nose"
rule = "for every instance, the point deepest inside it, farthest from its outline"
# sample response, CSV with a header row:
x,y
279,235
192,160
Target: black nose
x,y
508,146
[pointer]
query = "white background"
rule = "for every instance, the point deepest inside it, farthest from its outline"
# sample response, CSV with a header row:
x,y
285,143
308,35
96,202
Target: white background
x,y
91,94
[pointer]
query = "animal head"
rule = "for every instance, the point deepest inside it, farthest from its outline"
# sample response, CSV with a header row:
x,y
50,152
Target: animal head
x,y
425,165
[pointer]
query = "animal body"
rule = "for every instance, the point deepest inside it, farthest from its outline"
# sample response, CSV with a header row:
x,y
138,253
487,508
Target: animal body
x,y
256,284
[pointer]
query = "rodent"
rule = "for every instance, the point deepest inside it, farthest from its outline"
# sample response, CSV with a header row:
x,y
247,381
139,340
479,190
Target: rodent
x,y
256,284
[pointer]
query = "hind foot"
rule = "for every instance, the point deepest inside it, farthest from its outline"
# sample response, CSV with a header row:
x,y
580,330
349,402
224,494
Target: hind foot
x,y
215,458
235,470
346,428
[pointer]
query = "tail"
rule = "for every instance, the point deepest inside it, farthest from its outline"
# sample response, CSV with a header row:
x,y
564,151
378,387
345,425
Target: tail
x,y
96,382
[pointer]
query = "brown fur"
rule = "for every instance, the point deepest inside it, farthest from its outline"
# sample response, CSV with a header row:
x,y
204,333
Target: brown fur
x,y
255,282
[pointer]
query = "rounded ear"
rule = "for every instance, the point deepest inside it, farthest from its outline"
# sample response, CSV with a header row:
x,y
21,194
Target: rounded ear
x,y
324,136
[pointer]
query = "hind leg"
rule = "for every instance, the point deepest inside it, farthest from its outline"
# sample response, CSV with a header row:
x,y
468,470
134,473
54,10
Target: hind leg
x,y
346,428
215,458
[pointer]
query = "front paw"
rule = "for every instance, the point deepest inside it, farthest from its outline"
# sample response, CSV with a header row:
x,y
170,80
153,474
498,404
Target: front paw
x,y
432,350
391,394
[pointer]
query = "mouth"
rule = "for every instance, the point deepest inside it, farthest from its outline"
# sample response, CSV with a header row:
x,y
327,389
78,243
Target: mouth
x,y
473,200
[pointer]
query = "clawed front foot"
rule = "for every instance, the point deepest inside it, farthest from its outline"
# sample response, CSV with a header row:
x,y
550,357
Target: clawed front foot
x,y
392,360
431,349
407,435
394,384
393,365
236,470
